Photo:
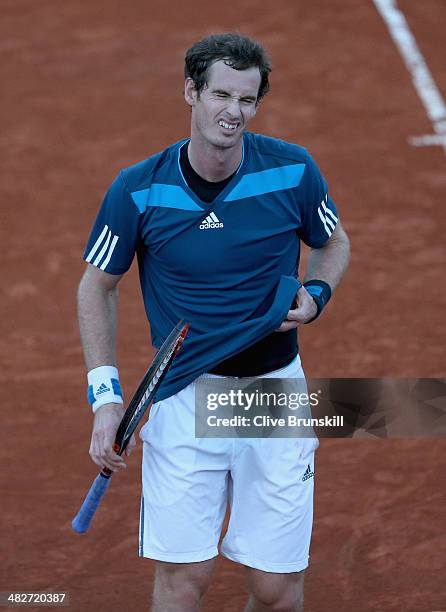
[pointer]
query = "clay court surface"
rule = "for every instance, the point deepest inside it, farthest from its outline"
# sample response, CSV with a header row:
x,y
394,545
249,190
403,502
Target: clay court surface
x,y
91,87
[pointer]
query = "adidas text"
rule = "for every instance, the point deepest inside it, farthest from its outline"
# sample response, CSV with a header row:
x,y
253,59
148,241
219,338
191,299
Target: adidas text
x,y
211,222
206,225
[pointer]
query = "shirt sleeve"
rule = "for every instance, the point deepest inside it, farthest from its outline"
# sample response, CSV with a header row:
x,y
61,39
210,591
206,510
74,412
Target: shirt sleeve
x,y
114,237
318,211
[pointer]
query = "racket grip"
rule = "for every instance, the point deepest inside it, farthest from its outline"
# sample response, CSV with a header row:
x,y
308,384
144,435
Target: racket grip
x,y
83,518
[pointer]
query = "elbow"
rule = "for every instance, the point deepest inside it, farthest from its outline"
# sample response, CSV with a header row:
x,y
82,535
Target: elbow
x,y
346,243
339,239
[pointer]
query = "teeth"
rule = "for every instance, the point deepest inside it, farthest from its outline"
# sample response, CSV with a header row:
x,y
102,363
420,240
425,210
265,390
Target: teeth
x,y
227,126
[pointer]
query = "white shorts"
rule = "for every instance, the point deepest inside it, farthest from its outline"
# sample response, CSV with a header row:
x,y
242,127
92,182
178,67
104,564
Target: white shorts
x,y
188,481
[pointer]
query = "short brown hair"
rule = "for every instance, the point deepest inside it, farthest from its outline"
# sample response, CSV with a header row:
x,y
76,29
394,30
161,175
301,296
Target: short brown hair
x,y
239,52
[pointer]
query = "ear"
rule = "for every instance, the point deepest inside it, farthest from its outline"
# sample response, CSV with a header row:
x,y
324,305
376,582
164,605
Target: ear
x,y
190,93
257,105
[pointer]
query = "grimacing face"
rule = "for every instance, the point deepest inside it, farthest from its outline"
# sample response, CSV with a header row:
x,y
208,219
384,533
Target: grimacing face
x,y
224,108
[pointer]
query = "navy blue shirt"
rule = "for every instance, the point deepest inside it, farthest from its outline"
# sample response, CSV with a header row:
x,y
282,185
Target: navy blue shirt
x,y
220,265
277,349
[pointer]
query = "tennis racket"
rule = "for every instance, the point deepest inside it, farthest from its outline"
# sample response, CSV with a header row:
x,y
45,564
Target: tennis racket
x,y
138,405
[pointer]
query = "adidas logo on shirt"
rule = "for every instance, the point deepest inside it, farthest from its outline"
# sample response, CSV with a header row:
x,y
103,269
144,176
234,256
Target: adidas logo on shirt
x,y
211,222
308,474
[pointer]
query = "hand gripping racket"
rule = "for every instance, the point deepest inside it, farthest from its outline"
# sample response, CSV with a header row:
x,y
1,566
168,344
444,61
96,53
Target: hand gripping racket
x,y
138,405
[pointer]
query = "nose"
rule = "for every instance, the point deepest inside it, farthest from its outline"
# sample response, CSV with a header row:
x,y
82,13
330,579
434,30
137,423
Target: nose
x,y
233,107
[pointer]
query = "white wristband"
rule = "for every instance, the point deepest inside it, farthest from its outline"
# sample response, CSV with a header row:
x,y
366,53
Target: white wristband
x,y
104,387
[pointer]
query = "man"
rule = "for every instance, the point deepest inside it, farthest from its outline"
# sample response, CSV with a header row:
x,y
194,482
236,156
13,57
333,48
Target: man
x,y
216,222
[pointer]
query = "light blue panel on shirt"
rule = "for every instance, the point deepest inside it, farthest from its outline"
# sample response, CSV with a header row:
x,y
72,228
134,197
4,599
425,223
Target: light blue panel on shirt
x,y
167,196
267,181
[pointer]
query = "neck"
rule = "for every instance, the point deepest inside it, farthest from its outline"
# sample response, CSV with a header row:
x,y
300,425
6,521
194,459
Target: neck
x,y
214,163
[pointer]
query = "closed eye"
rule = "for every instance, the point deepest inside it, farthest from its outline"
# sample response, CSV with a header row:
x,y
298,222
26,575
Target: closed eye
x,y
224,95
221,94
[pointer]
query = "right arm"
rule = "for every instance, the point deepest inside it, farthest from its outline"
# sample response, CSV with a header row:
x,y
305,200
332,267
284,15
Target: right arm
x,y
97,315
97,304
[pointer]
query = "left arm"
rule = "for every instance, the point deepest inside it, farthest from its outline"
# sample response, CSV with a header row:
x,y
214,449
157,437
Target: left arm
x,y
328,263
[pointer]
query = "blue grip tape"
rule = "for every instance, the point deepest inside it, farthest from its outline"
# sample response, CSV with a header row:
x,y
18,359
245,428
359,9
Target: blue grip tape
x,y
83,518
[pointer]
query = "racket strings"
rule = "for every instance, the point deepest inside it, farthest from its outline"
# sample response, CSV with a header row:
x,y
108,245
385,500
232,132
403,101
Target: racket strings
x,y
153,383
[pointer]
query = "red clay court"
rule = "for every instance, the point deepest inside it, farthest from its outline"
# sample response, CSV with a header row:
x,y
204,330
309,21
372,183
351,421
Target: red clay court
x,y
91,87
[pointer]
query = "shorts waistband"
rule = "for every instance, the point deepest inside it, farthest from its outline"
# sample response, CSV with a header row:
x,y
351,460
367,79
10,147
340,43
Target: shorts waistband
x,y
281,372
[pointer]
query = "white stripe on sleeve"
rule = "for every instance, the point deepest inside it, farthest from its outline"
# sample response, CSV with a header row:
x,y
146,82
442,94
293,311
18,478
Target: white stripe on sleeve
x,y
330,223
110,253
321,215
104,248
328,211
96,244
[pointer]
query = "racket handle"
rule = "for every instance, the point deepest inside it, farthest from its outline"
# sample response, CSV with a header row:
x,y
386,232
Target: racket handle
x,y
83,518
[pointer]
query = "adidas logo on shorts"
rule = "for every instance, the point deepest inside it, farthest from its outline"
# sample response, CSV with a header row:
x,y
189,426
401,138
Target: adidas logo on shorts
x,y
308,474
211,222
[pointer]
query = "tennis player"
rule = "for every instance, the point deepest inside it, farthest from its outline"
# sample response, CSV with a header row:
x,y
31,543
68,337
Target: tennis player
x,y
216,222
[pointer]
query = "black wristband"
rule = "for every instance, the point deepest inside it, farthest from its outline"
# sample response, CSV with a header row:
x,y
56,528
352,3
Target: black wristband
x,y
320,291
